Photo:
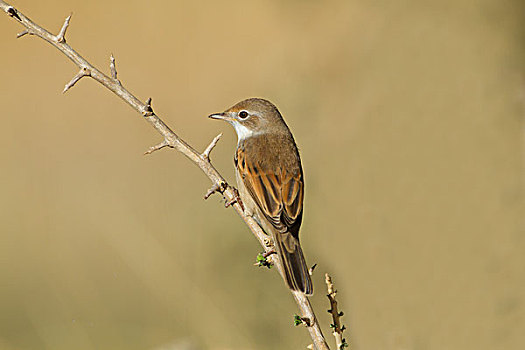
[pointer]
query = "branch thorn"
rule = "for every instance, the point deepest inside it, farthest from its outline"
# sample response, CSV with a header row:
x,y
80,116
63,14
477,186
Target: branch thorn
x,y
338,329
21,34
157,147
113,69
206,154
214,188
11,11
298,320
81,74
147,110
61,37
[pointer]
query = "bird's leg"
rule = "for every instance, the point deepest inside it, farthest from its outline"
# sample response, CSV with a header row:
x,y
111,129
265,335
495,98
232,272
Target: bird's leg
x,y
236,199
268,253
221,188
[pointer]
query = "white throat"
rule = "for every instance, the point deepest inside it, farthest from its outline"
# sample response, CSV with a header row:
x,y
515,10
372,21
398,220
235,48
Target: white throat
x,y
242,132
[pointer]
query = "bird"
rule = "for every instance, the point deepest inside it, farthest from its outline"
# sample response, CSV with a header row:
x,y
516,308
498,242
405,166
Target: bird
x,y
270,181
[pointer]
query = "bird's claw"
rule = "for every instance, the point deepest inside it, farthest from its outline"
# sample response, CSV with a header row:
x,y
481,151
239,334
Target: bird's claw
x,y
236,199
269,243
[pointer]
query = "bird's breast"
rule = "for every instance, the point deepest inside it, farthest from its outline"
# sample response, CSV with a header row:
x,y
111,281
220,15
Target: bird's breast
x,y
269,153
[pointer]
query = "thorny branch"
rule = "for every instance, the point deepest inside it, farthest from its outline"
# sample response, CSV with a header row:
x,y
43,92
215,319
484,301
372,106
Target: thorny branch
x,y
336,315
170,139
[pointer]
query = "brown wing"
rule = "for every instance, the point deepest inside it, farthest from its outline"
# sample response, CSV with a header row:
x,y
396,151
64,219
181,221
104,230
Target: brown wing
x,y
277,192
279,195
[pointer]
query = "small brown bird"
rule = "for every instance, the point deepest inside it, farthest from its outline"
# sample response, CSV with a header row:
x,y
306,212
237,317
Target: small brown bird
x,y
270,181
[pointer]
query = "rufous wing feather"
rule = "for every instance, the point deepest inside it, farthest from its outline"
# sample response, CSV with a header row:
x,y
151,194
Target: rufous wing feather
x,y
279,197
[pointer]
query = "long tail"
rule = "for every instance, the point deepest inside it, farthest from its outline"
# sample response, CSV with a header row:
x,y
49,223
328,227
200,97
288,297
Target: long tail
x,y
296,272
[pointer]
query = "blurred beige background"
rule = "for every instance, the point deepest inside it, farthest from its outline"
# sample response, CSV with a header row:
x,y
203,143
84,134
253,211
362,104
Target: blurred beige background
x,y
409,117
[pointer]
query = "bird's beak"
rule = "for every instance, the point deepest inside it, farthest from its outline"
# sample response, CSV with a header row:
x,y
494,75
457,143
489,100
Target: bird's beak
x,y
221,116
226,116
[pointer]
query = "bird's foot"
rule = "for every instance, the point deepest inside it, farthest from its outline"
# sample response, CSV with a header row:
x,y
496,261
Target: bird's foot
x,y
268,253
236,199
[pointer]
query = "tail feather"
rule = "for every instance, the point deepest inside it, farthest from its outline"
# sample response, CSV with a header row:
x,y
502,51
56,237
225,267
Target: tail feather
x,y
296,272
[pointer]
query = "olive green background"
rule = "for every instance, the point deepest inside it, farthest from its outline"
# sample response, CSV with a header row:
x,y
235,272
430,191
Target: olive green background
x,y
409,118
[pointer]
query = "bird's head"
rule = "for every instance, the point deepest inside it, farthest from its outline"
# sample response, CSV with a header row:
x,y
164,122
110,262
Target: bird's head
x,y
253,116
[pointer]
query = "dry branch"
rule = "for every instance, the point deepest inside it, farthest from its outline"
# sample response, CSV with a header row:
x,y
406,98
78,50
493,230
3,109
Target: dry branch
x,y
170,139
336,314
211,146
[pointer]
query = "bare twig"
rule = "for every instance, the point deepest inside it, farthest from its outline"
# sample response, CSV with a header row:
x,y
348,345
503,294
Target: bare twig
x,y
211,146
147,110
157,147
61,37
81,74
22,33
113,68
169,139
336,315
215,188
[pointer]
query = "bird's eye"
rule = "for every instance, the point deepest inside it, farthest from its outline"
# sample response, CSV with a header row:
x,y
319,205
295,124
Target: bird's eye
x,y
243,114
